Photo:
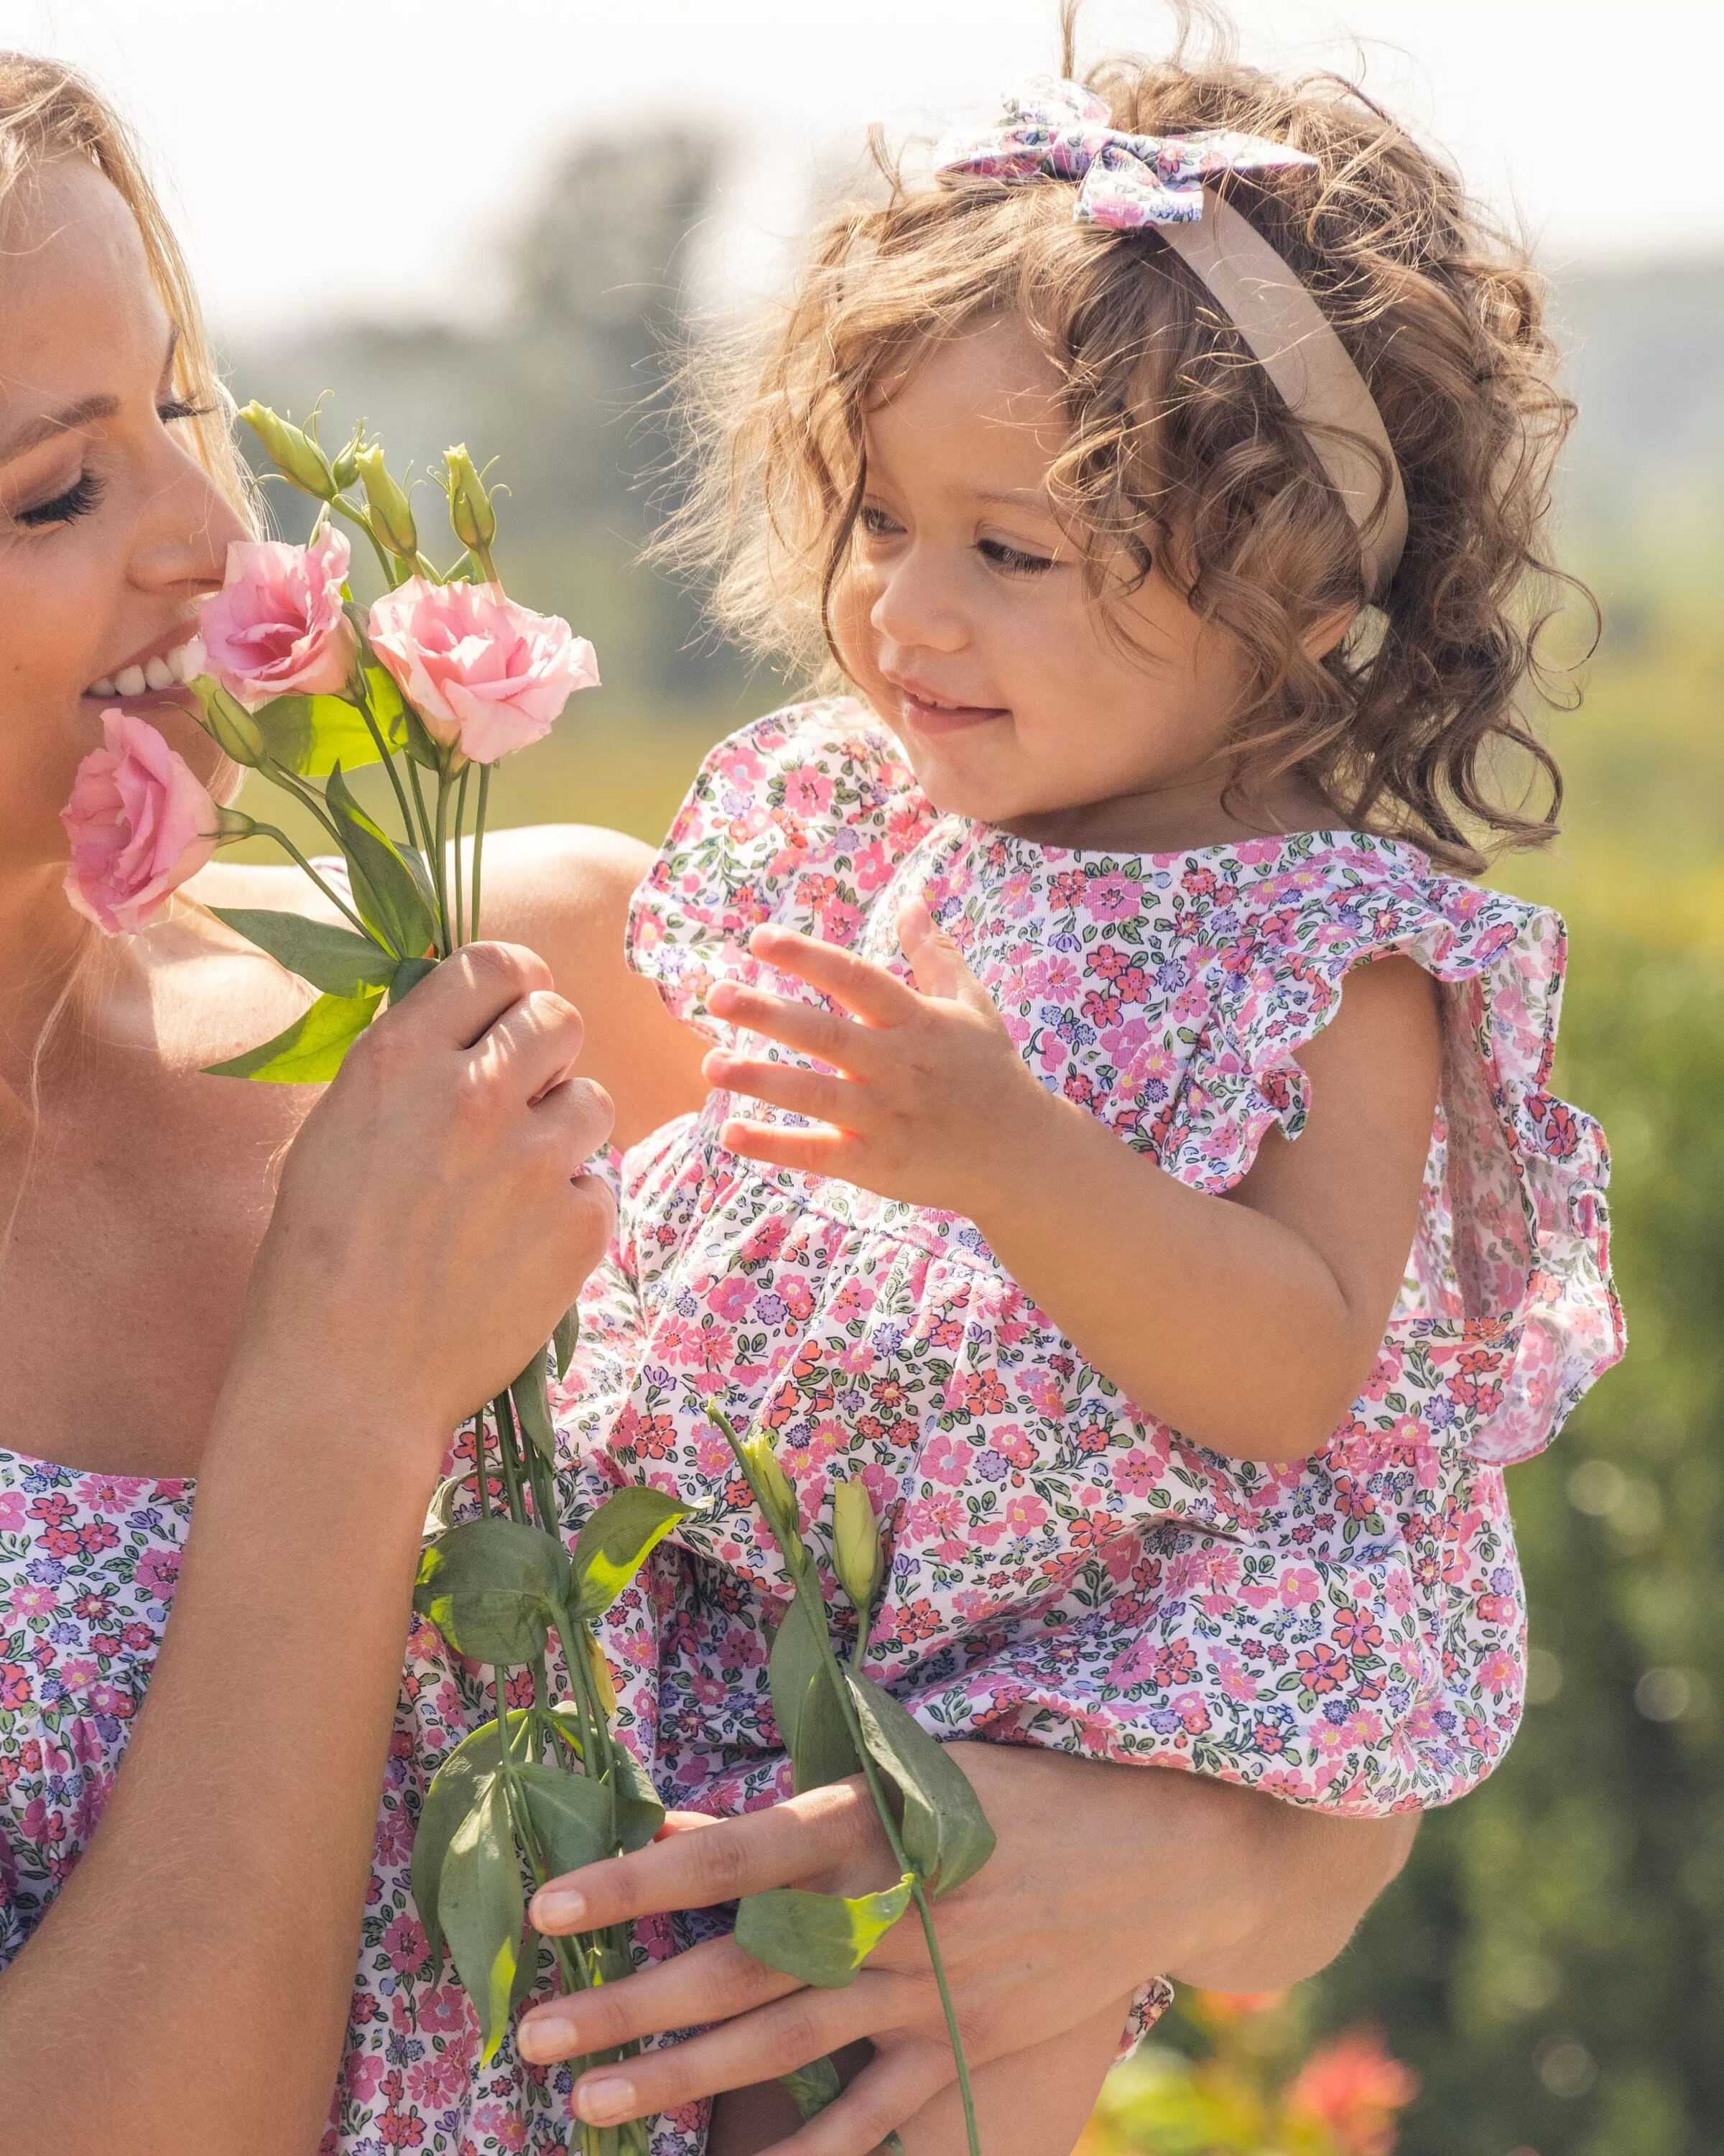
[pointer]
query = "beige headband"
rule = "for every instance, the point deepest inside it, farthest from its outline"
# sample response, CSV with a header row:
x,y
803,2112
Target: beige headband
x,y
1292,339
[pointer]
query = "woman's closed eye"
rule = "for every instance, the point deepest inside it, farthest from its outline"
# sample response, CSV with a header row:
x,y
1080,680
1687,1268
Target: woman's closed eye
x,y
84,495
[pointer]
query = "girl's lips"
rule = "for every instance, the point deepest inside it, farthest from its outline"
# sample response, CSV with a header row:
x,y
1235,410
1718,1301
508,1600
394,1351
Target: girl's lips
x,y
946,719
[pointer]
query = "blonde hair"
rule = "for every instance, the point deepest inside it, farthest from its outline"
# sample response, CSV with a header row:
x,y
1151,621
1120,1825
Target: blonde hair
x,y
1180,452
48,112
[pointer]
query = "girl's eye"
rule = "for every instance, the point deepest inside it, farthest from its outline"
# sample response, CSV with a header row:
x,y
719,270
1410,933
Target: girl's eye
x,y
1014,560
877,524
78,500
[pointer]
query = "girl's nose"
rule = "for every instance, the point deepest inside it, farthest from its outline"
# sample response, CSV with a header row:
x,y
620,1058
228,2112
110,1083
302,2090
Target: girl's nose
x,y
918,609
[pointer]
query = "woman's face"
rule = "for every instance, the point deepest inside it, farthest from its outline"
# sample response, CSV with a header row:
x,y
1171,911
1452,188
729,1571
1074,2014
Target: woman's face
x,y
110,530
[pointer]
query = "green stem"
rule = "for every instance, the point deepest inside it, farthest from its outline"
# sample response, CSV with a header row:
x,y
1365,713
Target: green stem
x,y
484,790
505,1447
362,699
595,1736
482,1473
281,838
424,837
358,518
460,815
278,774
439,873
483,556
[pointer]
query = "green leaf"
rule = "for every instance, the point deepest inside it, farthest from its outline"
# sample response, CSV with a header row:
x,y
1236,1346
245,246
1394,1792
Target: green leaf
x,y
805,1705
811,2087
312,1050
639,1814
575,1819
946,1835
333,959
531,1396
820,1939
314,735
407,976
526,1968
564,1339
482,1909
614,1543
454,1790
493,1588
386,890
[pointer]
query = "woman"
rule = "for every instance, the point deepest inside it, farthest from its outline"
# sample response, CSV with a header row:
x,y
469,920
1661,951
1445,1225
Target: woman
x,y
185,1987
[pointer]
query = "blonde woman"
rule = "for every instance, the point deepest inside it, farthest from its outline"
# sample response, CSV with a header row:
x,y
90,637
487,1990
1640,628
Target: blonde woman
x,y
260,1289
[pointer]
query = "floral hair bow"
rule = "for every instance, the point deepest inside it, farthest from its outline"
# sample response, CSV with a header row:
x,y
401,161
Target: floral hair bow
x,y
1060,130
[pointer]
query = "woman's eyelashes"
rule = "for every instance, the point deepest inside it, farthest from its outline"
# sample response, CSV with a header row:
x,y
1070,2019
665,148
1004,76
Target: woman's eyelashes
x,y
84,495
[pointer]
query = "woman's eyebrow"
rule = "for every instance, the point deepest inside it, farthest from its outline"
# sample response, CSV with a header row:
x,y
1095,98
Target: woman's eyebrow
x,y
34,431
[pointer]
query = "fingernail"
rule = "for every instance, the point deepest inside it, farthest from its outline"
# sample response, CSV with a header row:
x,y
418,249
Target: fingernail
x,y
546,2037
605,2101
558,1909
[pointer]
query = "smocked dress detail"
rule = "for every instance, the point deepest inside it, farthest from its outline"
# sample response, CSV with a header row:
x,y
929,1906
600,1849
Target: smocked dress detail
x,y
1344,1631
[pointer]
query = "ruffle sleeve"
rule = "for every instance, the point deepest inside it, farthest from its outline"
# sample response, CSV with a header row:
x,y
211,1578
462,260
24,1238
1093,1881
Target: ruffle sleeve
x,y
1509,1289
798,819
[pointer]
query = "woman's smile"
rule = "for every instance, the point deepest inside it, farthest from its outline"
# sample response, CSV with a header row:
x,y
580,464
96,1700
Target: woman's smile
x,y
148,675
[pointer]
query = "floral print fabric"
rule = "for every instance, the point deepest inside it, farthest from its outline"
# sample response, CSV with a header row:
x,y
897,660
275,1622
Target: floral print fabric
x,y
1344,1631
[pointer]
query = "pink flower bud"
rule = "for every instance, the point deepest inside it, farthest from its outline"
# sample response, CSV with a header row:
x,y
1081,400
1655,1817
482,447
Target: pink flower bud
x,y
140,825
276,627
486,676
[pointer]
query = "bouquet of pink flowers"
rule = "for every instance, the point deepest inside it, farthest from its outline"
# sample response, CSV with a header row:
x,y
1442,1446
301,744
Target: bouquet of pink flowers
x,y
440,677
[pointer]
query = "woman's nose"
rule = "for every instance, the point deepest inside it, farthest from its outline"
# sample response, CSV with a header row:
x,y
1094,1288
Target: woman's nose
x,y
917,607
185,530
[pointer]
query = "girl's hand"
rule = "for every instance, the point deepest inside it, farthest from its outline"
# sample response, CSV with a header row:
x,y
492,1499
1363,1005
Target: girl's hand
x,y
434,1222
924,1097
1102,1876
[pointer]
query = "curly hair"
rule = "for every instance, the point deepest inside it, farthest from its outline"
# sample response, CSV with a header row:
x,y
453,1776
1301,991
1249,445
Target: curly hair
x,y
1181,452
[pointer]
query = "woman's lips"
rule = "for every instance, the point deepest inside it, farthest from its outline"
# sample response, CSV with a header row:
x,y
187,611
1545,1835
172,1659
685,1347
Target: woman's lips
x,y
945,718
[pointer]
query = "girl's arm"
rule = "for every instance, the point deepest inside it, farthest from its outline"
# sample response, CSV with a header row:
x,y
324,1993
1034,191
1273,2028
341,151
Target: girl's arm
x,y
1103,1875
1248,1322
187,1992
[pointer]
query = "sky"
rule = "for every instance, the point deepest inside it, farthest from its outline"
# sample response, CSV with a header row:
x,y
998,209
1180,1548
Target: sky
x,y
365,156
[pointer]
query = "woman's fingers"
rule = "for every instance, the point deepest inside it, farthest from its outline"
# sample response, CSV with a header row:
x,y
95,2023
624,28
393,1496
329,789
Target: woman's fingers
x,y
773,2039
458,1003
869,992
905,2073
829,1835
713,1980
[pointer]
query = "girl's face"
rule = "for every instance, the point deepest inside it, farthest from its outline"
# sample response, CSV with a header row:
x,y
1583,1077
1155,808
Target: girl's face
x,y
964,618
110,530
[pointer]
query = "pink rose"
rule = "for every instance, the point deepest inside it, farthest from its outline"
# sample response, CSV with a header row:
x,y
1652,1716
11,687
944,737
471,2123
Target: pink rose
x,y
140,825
484,674
276,627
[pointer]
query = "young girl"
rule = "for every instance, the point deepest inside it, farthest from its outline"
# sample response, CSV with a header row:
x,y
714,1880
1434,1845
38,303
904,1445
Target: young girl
x,y
1130,1150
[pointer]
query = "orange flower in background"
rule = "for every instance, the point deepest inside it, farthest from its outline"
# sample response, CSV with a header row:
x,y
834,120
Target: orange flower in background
x,y
1354,2087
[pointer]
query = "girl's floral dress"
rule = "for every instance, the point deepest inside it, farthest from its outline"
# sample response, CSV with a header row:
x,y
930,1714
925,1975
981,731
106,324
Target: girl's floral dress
x,y
1345,1631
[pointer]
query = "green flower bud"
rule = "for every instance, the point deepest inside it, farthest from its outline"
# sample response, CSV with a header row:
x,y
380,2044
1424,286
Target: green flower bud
x,y
856,1550
603,1687
228,724
392,516
471,517
295,454
231,823
345,467
772,1486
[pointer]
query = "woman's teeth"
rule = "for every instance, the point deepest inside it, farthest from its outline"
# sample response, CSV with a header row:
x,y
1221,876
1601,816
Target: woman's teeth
x,y
164,673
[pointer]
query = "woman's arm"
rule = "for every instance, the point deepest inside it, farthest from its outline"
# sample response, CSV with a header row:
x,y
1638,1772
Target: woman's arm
x,y
1103,1877
187,1992
1248,1322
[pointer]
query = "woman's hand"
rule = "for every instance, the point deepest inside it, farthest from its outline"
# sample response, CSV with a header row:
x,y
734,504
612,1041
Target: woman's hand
x,y
1103,1877
930,1100
453,1136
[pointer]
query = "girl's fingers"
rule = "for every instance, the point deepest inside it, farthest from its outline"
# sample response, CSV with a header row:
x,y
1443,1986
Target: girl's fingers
x,y
935,960
815,1151
903,2075
814,1093
714,1980
773,2039
867,991
828,1835
839,1041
